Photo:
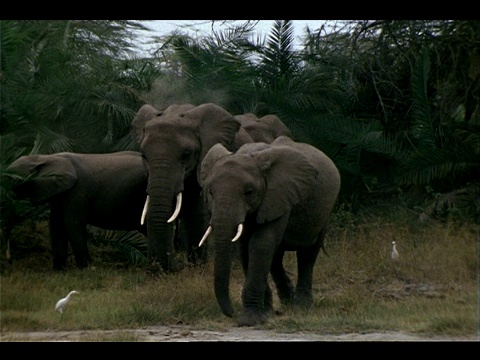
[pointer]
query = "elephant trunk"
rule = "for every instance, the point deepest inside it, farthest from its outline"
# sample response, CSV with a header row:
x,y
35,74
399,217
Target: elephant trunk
x,y
225,229
222,267
160,233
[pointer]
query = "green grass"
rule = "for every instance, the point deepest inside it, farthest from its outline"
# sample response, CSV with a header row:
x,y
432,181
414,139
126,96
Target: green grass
x,y
431,290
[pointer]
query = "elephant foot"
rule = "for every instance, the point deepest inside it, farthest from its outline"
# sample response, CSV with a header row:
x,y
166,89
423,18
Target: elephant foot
x,y
252,317
197,256
154,267
286,298
177,267
83,264
59,265
303,300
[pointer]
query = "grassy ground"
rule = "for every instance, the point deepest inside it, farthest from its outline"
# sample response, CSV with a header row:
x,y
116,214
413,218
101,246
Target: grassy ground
x,y
433,289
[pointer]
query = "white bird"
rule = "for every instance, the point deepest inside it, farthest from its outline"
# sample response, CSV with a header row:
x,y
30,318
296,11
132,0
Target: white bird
x,y
395,255
63,302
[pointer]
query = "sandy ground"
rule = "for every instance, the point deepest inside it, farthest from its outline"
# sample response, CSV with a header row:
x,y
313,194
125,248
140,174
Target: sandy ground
x,y
184,334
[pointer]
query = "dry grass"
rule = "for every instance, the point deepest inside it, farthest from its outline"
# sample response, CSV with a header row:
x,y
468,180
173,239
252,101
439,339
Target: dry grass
x,y
432,289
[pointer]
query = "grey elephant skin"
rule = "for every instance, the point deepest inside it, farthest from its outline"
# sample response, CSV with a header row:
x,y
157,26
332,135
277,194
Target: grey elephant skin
x,y
173,143
103,190
283,194
265,129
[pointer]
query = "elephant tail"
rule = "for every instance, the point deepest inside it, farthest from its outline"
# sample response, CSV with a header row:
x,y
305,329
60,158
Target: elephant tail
x,y
321,238
324,250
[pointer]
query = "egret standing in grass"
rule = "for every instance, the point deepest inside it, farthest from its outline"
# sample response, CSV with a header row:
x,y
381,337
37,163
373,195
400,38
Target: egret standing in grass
x,y
60,306
395,255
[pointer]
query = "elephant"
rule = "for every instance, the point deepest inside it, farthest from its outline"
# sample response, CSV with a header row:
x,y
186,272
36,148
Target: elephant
x,y
103,190
264,129
173,142
272,198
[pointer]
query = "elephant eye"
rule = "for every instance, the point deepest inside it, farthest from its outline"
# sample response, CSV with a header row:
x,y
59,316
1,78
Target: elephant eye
x,y
186,155
249,191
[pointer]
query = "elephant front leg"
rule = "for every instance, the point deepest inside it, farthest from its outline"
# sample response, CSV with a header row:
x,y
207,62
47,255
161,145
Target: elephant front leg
x,y
80,249
268,300
253,300
77,234
58,238
256,293
195,227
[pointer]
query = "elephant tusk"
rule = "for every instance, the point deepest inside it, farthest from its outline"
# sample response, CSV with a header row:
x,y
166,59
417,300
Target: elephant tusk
x,y
239,232
178,206
205,236
144,212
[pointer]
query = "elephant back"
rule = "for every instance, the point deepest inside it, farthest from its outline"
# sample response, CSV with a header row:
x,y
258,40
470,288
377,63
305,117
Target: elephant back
x,y
265,129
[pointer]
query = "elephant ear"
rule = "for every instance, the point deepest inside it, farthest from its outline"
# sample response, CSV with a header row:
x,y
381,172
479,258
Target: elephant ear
x,y
290,177
217,152
241,137
145,114
48,175
215,125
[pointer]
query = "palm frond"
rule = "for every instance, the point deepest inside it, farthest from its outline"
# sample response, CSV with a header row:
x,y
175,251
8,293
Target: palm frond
x,y
130,245
422,127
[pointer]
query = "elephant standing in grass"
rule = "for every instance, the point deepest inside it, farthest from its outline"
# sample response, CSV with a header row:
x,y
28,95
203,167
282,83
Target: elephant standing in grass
x,y
173,143
103,190
272,198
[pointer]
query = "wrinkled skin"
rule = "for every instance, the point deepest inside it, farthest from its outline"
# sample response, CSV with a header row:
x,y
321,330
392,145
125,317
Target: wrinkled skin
x,y
173,142
283,193
104,190
265,129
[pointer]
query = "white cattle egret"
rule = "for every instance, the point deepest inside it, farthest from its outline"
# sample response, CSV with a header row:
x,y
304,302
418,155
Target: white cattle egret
x,y
395,255
60,306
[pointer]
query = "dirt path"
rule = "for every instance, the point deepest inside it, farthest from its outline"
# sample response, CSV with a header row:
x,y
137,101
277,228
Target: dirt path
x,y
184,334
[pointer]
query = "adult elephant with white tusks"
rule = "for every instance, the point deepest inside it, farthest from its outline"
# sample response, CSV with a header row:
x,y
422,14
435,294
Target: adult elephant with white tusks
x,y
173,143
104,190
272,198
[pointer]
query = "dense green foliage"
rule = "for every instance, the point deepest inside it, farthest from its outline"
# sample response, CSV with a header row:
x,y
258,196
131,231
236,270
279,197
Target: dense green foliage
x,y
395,103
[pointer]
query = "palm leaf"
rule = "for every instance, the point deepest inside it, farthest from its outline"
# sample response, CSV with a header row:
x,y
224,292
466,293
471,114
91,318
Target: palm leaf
x,y
130,245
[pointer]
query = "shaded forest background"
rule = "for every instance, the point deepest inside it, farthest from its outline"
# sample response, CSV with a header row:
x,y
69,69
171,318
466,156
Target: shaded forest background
x,y
395,103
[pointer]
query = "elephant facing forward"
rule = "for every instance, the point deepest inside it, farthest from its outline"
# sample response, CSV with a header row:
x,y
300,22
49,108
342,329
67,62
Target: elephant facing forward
x,y
103,190
173,143
272,198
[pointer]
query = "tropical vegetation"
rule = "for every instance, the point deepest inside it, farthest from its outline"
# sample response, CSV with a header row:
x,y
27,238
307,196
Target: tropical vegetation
x,y
395,103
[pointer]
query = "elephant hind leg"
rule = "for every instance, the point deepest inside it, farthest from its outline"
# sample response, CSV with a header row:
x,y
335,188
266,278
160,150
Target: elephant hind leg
x,y
305,263
283,283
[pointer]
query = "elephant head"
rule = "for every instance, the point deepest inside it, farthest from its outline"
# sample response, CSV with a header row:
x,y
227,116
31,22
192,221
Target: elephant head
x,y
173,142
39,178
265,129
